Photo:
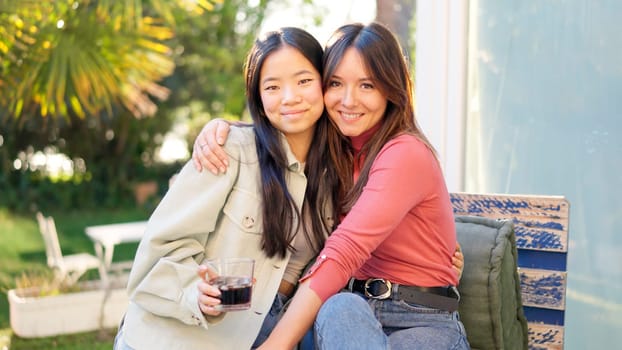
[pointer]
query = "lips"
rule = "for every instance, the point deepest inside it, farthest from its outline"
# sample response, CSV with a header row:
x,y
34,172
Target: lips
x,y
350,116
292,113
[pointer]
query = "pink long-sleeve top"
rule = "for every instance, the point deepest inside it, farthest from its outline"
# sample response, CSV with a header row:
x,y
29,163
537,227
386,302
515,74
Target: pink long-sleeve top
x,y
401,228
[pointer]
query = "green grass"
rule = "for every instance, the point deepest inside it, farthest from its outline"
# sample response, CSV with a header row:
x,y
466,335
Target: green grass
x,y
22,251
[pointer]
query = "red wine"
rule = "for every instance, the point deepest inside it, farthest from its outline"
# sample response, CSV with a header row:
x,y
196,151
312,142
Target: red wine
x,y
235,292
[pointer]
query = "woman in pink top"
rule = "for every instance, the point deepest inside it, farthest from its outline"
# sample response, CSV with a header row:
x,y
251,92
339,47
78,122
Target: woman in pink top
x,y
398,237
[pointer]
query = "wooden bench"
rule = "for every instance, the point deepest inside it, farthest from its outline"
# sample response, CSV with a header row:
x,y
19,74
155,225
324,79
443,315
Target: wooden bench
x,y
541,229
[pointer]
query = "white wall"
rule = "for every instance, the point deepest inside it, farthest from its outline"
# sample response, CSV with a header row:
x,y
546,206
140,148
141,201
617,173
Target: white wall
x,y
440,81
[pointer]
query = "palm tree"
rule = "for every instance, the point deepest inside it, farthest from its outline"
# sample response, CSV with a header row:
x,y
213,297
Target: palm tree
x,y
82,58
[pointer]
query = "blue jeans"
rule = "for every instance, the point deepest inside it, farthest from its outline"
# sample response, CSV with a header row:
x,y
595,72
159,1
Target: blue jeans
x,y
272,318
349,321
119,343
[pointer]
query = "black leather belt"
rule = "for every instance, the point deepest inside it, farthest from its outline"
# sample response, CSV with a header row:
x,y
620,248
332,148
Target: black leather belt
x,y
443,298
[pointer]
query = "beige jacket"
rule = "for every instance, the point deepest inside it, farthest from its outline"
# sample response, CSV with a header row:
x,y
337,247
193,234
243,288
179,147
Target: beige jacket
x,y
204,216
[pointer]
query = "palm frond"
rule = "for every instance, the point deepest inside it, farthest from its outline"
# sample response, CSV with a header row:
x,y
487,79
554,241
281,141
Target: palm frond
x,y
86,56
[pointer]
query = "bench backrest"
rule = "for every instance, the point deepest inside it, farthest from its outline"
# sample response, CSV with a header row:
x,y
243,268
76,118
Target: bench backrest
x,y
541,228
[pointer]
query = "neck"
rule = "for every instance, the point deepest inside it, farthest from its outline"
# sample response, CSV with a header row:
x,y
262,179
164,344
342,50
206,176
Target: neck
x,y
300,144
359,141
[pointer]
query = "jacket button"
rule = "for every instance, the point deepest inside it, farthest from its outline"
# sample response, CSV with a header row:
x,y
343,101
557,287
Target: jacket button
x,y
248,222
196,319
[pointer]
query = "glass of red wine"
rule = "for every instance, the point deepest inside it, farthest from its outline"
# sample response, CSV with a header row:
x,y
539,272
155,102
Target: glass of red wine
x,y
234,278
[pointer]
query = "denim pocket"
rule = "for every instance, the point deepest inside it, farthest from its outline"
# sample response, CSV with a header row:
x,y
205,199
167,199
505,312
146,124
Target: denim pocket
x,y
420,308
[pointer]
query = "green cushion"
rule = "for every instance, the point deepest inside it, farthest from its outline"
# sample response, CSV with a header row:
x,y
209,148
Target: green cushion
x,y
490,306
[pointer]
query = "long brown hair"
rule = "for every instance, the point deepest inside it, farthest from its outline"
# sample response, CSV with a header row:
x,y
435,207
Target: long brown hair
x,y
388,68
279,211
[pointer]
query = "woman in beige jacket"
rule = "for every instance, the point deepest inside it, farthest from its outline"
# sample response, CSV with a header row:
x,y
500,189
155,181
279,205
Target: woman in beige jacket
x,y
265,207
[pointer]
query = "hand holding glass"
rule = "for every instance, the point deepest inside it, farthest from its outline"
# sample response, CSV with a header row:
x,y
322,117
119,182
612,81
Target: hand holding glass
x,y
234,279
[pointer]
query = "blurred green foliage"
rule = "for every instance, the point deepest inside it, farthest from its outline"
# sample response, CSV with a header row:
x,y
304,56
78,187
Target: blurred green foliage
x,y
102,82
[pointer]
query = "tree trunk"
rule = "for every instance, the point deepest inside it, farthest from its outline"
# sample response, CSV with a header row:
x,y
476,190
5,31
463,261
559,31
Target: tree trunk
x,y
398,15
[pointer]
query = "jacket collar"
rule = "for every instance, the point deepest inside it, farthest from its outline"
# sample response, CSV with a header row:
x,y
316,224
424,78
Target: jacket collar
x,y
293,164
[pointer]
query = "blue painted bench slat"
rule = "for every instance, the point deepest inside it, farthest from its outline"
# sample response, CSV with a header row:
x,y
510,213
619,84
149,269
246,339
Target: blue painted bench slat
x,y
541,229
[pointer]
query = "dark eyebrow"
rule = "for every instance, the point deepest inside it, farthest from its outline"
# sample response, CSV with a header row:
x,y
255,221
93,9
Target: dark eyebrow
x,y
335,76
300,72
303,71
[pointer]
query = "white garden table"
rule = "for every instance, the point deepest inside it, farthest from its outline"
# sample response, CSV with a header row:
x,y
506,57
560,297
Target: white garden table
x,y
106,237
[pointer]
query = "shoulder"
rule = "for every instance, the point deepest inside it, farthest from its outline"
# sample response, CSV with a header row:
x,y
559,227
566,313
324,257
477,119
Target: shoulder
x,y
241,136
240,142
407,147
409,160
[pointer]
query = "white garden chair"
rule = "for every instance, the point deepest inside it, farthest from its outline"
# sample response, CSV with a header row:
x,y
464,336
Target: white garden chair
x,y
67,268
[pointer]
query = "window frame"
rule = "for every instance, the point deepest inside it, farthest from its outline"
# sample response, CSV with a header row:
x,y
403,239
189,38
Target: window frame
x,y
441,82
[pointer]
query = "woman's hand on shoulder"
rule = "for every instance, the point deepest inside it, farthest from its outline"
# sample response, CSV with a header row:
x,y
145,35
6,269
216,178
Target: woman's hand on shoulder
x,y
207,152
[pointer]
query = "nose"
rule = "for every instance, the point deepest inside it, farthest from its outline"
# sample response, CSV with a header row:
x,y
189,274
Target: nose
x,y
291,95
349,98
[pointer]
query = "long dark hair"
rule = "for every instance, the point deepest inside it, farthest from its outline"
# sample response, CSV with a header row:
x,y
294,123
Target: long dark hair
x,y
388,68
281,216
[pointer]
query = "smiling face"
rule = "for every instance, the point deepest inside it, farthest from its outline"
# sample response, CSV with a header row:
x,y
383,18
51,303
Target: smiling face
x,y
291,94
352,99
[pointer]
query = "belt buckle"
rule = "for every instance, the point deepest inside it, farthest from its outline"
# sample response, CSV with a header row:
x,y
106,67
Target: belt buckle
x,y
384,295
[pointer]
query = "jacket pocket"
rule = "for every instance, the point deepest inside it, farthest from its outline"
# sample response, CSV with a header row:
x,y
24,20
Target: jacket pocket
x,y
244,210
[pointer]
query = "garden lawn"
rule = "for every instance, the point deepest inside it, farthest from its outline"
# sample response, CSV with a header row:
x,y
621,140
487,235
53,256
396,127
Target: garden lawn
x,y
22,251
